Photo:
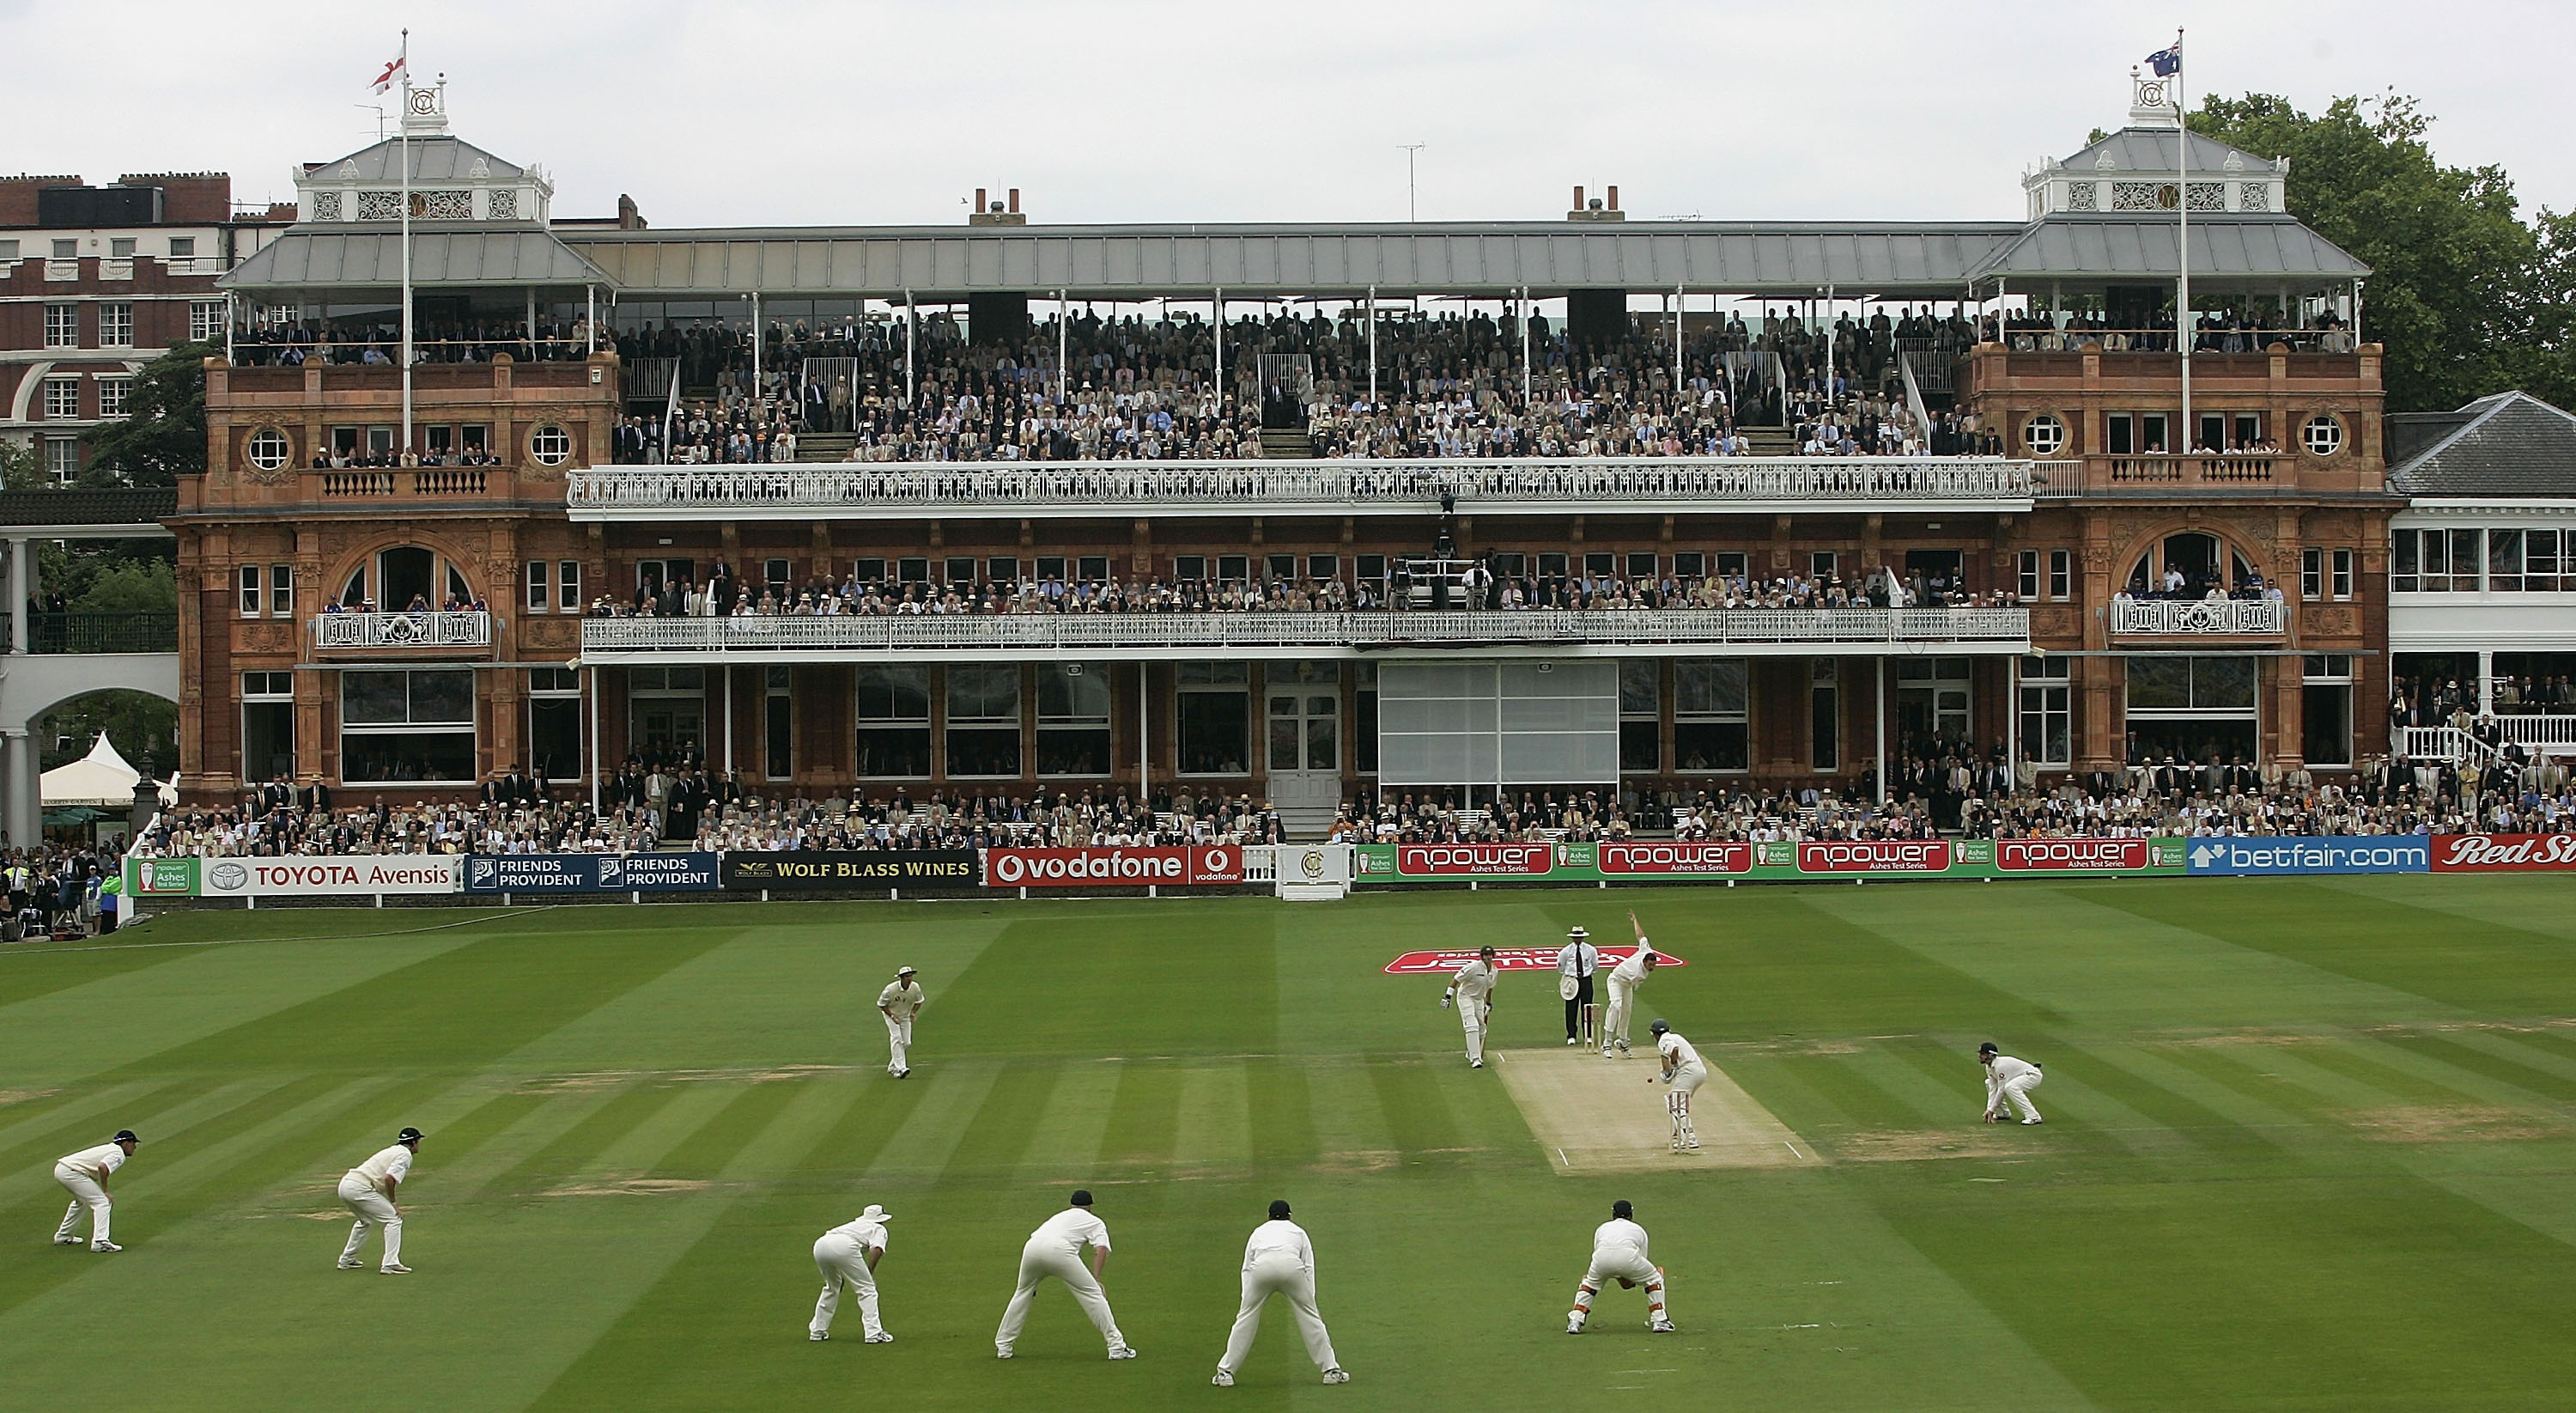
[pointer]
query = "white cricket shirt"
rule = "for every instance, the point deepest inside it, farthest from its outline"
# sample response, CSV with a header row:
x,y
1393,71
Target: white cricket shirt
x,y
900,1000
1632,970
1619,1232
1280,1238
1672,1047
1475,980
871,1236
393,1164
2004,1071
91,1161
1071,1230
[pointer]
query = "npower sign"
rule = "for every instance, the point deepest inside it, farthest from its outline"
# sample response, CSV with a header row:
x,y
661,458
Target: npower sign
x,y
2503,853
1676,858
1529,860
2070,855
1874,856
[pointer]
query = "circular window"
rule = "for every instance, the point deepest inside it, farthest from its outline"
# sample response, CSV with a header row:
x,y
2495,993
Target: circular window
x,y
2323,436
268,449
551,446
2043,435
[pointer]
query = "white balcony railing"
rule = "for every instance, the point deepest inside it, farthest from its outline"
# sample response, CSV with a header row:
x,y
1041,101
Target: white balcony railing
x,y
1252,487
402,630
2199,616
62,269
1219,632
117,267
192,265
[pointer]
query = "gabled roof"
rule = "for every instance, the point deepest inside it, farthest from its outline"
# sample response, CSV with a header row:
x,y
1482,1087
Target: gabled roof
x,y
2154,150
2224,247
2512,444
322,258
433,159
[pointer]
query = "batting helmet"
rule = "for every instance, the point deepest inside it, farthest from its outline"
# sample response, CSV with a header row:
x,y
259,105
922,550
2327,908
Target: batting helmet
x,y
408,1135
1658,1028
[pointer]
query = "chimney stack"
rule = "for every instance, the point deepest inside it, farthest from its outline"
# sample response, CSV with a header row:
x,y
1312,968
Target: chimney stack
x,y
1015,201
989,212
1614,198
1596,209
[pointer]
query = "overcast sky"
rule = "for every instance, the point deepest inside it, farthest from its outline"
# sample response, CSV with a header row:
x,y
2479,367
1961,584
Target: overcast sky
x,y
870,113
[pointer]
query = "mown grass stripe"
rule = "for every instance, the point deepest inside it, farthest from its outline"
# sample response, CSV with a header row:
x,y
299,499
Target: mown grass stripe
x,y
1145,1118
172,1133
1065,1136
573,1151
2448,1049
33,1123
2146,1080
715,1145
1280,1108
1004,1126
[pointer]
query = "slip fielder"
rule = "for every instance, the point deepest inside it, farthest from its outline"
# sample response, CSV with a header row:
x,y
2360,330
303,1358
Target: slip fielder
x,y
1619,1254
848,1255
1278,1260
1683,1075
2008,1081
1472,989
84,1175
1055,1249
1625,979
901,1001
369,1190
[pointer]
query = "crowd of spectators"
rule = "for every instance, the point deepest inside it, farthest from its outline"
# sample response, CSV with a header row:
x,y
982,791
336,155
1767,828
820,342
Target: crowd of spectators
x,y
2454,701
379,343
2238,330
1455,387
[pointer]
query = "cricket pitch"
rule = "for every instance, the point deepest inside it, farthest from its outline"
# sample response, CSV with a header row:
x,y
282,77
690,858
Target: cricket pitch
x,y
1600,1116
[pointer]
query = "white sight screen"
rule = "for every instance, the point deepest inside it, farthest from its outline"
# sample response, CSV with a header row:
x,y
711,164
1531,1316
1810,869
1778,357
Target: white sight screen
x,y
1498,723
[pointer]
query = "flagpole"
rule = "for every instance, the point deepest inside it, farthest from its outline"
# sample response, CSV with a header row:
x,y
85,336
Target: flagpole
x,y
2183,329
404,63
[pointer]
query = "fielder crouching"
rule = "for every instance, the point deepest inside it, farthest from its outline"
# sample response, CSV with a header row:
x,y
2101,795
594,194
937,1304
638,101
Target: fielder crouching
x,y
1619,1254
2008,1081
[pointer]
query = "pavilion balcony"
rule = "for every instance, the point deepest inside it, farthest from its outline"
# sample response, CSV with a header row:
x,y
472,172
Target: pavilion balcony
x,y
1560,632
2158,473
2192,618
1556,486
402,630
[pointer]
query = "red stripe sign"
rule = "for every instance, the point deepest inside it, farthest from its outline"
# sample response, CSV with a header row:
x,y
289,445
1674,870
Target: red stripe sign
x,y
2503,853
1511,959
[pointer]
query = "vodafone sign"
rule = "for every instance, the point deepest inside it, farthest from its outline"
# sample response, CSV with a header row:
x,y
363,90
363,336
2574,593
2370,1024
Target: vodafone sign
x,y
1532,860
1874,856
1676,858
2069,855
1112,867
2503,853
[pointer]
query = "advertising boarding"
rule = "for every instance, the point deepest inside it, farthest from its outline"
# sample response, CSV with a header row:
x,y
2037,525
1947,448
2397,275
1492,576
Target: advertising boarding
x,y
1770,861
1114,866
592,873
2504,853
825,870
2260,855
341,876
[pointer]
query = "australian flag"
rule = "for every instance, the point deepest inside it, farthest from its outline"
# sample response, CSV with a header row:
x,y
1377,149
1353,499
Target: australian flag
x,y
2166,62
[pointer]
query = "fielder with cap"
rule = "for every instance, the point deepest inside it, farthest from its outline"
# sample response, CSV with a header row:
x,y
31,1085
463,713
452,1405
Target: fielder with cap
x,y
370,1190
1575,964
1625,981
1055,1249
1683,1075
1472,990
2008,1081
901,1001
847,1255
84,1174
1278,1260
1619,1254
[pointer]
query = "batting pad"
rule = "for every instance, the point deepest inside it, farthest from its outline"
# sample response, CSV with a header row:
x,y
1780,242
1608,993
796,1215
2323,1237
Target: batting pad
x,y
1593,1115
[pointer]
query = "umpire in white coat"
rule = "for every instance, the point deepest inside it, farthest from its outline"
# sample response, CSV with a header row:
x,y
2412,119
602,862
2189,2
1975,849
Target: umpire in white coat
x,y
1576,961
1278,1260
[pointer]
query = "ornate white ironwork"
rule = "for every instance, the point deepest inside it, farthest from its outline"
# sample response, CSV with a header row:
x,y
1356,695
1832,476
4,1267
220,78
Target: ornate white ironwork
x,y
402,630
1535,485
2189,616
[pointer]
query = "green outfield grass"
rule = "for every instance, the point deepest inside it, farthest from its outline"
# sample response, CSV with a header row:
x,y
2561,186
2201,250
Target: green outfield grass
x,y
2312,1144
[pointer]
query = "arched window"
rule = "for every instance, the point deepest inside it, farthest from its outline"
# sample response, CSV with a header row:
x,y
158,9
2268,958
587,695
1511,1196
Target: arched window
x,y
2187,565
403,578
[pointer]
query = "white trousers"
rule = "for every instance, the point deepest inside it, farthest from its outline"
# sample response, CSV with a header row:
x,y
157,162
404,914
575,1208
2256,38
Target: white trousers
x,y
2017,1093
86,1193
1278,1273
362,1197
1036,1264
898,1040
1623,1002
844,1262
1622,1262
1472,1015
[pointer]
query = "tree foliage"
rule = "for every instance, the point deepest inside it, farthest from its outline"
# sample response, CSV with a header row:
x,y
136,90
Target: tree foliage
x,y
2449,295
163,434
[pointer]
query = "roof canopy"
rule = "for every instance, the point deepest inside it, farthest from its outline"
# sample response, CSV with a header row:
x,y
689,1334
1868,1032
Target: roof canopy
x,y
2234,252
2509,444
101,778
434,160
339,259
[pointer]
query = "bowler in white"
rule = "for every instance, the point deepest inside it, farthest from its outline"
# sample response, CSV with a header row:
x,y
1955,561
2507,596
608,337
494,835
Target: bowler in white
x,y
1055,1249
370,1190
1625,981
1619,1254
1278,1260
848,1255
900,1001
84,1174
2008,1081
1472,991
